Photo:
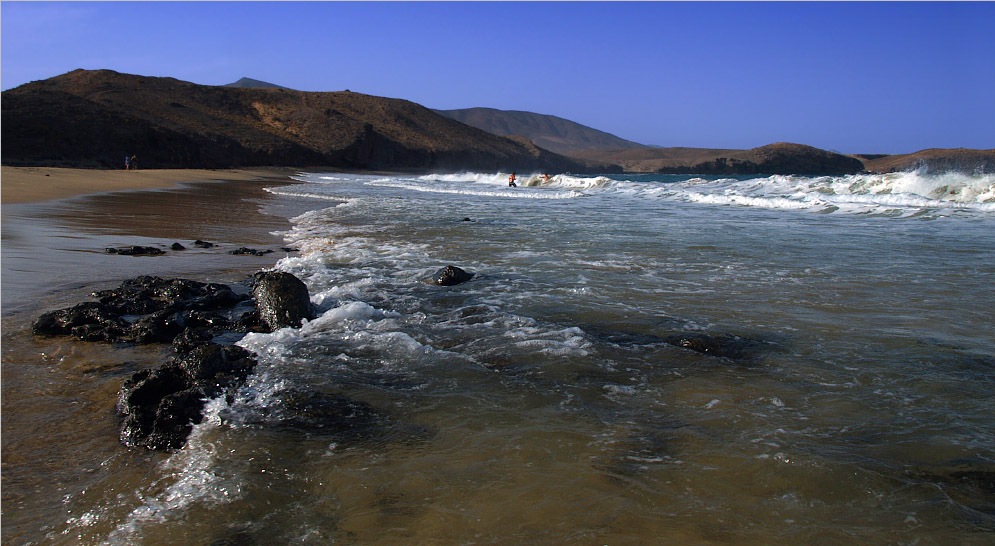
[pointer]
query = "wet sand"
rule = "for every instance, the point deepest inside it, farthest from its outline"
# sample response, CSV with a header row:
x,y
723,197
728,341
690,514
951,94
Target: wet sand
x,y
58,394
52,243
34,184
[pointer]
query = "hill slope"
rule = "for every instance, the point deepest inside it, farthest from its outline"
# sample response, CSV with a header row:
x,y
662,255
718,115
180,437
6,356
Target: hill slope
x,y
936,160
777,158
93,118
550,132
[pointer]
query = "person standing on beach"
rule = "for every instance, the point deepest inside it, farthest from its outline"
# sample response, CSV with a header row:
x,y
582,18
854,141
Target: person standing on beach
x,y
127,162
134,163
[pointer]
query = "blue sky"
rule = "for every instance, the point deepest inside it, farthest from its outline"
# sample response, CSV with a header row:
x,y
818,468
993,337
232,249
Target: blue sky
x,y
860,77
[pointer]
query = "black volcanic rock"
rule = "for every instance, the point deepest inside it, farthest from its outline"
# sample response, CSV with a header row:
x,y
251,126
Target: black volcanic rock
x,y
158,407
282,299
91,118
135,250
451,276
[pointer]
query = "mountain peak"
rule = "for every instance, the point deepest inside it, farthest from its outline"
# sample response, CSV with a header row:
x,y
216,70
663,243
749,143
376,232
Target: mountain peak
x,y
258,84
550,132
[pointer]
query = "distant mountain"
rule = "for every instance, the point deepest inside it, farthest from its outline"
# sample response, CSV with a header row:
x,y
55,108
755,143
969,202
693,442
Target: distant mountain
x,y
550,132
777,158
935,160
256,84
92,118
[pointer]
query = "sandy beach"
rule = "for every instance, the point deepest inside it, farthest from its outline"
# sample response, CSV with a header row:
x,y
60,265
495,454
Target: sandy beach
x,y
57,224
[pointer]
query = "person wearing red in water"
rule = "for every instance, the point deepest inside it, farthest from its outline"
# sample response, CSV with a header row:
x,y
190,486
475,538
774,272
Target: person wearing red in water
x,y
511,181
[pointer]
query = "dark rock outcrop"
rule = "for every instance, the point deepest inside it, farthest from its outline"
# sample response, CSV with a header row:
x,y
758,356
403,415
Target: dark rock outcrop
x,y
450,276
321,413
135,250
967,483
148,294
89,321
249,251
282,299
721,345
158,407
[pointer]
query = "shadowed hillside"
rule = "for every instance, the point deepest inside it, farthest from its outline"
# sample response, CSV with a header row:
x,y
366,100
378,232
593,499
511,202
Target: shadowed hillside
x,y
550,132
93,118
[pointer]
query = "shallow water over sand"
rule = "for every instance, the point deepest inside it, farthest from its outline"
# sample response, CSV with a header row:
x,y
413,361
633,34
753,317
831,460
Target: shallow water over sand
x,y
546,402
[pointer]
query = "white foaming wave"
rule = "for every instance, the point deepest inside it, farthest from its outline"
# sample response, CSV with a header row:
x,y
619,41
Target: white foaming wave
x,y
560,181
900,194
469,190
580,182
552,342
486,178
326,178
746,201
199,479
291,191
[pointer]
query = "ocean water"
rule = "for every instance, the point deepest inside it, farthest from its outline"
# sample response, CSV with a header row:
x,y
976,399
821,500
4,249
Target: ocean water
x,y
849,397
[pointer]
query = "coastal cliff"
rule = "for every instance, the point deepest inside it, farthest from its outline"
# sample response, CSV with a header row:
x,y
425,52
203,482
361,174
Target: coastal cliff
x,y
94,118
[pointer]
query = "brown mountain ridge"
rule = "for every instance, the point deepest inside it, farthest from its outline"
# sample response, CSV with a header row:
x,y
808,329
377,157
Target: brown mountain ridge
x,y
93,118
550,132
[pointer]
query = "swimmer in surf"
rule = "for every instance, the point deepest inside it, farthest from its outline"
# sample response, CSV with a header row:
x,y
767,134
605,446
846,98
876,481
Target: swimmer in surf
x,y
511,181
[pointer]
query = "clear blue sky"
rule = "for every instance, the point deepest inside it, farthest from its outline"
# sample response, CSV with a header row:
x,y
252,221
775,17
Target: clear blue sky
x,y
858,77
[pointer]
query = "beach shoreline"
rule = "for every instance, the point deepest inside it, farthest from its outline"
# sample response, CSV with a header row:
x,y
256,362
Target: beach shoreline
x,y
35,184
57,224
54,241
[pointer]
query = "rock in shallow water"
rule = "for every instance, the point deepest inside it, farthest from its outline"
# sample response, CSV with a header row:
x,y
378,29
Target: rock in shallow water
x,y
450,276
135,250
282,299
720,345
159,407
